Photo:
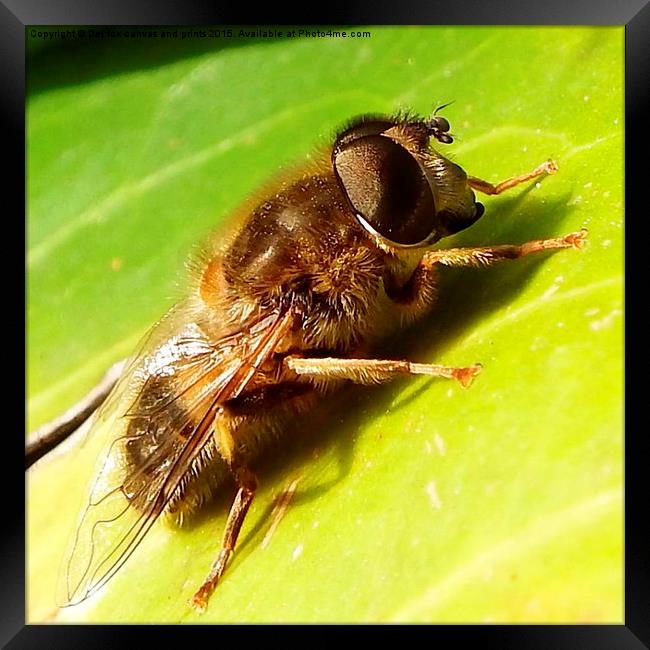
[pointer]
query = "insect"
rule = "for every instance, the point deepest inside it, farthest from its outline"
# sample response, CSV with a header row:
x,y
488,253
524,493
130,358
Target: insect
x,y
319,268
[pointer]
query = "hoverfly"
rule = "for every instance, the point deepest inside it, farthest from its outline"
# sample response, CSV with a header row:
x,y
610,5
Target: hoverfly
x,y
321,267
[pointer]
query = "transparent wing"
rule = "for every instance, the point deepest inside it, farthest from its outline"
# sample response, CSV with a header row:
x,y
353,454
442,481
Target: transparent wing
x,y
149,352
160,417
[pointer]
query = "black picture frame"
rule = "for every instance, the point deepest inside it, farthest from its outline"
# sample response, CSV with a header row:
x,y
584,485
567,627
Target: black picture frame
x,y
15,15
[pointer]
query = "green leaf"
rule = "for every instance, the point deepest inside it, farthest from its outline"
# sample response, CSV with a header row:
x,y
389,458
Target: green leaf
x,y
415,501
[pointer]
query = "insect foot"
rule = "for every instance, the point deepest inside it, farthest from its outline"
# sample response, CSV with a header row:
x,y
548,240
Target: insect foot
x,y
549,167
465,376
576,239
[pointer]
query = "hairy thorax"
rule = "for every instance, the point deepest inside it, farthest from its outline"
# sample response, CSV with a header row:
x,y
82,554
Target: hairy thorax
x,y
302,248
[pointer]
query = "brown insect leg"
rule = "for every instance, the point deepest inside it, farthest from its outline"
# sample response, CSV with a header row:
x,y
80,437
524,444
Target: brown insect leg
x,y
548,167
374,371
247,483
415,296
490,254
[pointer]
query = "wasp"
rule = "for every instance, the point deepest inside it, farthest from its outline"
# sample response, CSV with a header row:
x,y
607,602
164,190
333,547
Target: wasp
x,y
328,261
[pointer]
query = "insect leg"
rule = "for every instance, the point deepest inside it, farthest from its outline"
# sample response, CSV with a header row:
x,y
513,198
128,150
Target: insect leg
x,y
548,167
415,296
247,485
489,254
375,371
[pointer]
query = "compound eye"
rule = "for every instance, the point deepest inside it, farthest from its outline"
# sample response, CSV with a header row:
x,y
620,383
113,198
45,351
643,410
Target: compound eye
x,y
387,188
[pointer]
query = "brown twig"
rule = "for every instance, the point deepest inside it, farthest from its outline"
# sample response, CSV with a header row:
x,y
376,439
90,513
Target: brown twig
x,y
49,435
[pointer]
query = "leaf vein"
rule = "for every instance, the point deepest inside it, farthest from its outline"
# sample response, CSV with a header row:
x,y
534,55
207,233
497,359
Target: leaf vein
x,y
539,303
540,532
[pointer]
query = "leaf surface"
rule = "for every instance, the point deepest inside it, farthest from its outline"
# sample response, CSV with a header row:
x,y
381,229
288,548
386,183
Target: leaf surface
x,y
415,501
